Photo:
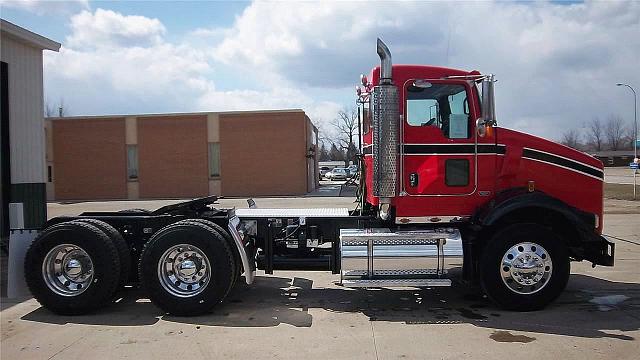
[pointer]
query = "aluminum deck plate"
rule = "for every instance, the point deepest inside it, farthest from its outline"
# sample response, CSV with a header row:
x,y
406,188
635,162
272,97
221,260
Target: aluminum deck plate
x,y
291,213
377,283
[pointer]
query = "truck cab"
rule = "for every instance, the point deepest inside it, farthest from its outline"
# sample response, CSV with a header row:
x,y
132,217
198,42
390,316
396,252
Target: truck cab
x,y
450,160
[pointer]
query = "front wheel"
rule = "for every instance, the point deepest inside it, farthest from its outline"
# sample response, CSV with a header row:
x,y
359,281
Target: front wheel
x,y
524,267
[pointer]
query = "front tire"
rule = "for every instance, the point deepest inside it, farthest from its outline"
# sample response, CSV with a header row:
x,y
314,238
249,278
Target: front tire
x,y
186,268
524,267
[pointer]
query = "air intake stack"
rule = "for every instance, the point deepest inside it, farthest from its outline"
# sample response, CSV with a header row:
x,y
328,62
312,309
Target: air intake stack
x,y
386,118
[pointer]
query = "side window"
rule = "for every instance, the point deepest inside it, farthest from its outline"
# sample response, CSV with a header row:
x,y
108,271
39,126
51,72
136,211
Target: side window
x,y
132,162
444,106
214,159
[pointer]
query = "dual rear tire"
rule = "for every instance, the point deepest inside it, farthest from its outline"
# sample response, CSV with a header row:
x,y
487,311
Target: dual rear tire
x,y
74,267
187,268
78,266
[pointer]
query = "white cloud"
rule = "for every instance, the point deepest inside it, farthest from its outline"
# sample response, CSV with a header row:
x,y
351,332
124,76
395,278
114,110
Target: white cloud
x,y
320,112
557,65
46,7
114,64
111,63
107,28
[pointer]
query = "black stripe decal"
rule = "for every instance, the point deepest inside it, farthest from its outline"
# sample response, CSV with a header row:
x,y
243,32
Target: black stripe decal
x,y
454,149
537,155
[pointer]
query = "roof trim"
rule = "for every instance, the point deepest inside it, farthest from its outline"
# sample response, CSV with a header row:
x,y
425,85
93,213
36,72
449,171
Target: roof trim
x,y
28,37
119,116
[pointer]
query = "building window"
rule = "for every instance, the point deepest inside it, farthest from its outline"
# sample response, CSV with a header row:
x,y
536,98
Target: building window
x,y
49,174
214,159
132,162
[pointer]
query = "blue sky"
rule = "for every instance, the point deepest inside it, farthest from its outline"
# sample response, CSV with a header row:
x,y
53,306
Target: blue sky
x,y
557,62
178,17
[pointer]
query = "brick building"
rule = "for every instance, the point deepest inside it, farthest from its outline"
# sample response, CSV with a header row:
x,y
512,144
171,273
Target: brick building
x,y
151,156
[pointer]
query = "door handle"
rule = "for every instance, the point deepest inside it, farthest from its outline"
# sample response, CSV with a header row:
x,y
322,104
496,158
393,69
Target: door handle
x,y
413,179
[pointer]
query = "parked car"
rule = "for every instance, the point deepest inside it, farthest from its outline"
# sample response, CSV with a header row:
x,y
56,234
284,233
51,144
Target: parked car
x,y
337,174
323,171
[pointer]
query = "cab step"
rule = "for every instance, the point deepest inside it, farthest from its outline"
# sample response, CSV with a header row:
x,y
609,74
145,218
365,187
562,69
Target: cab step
x,y
379,283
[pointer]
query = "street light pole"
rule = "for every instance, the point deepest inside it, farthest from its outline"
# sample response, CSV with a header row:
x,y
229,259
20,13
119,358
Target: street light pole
x,y
635,133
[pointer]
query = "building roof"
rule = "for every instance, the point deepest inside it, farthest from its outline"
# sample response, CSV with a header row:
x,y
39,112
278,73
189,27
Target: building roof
x,y
27,36
613,153
177,114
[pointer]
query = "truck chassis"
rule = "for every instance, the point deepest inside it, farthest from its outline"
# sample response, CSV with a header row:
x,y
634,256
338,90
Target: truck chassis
x,y
189,255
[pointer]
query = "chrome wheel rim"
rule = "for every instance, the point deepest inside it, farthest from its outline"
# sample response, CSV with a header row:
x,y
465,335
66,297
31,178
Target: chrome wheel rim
x,y
526,268
184,270
67,270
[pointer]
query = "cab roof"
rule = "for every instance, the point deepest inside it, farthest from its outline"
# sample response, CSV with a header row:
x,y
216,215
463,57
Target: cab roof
x,y
402,72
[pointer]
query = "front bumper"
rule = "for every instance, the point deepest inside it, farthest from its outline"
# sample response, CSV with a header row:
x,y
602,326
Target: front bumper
x,y
600,251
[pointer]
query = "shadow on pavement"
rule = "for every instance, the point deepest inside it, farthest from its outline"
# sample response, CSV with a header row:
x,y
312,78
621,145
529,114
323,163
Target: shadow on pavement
x,y
272,301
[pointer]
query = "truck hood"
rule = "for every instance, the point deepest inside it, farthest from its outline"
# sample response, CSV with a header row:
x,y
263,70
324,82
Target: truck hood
x,y
527,141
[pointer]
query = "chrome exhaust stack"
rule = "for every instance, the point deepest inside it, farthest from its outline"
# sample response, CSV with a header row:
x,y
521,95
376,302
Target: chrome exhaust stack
x,y
385,63
385,125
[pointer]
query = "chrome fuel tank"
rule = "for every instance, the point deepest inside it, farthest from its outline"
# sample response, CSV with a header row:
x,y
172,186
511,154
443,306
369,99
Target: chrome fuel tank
x,y
377,254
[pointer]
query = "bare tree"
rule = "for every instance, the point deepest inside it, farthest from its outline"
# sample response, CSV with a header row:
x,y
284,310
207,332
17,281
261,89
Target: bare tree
x,y
629,138
346,128
336,154
615,132
59,109
595,133
48,109
571,138
62,109
323,153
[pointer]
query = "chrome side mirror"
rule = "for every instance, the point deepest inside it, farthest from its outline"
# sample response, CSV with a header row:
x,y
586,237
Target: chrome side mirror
x,y
488,118
481,128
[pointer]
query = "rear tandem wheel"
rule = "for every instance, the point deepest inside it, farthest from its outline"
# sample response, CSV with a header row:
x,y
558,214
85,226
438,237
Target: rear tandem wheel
x,y
72,268
187,268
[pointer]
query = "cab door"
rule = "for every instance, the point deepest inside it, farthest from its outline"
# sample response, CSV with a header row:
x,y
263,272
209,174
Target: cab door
x,y
439,151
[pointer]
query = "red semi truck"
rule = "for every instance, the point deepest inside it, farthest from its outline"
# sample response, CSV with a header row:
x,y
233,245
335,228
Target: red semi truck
x,y
444,191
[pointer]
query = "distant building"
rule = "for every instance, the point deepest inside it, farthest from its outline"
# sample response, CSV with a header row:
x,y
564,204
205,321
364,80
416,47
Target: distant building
x,y
22,155
332,164
151,156
615,157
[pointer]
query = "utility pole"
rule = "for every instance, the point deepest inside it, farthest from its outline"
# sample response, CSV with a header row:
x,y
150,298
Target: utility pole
x,y
635,134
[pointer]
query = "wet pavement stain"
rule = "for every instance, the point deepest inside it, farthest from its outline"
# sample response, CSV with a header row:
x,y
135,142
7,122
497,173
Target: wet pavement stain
x,y
505,336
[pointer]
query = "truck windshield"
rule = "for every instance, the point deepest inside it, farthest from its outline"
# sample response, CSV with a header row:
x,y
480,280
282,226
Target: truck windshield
x,y
444,106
